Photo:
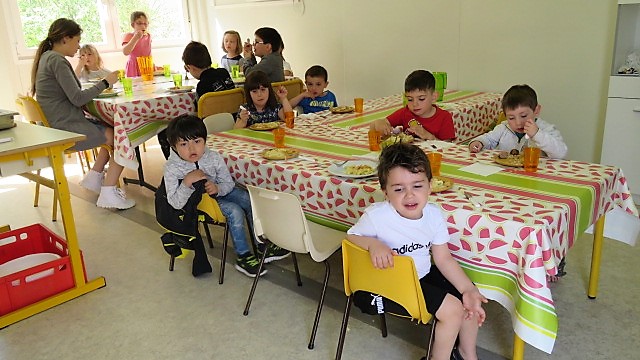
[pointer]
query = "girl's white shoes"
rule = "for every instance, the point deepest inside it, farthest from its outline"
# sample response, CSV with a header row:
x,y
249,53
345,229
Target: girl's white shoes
x,y
92,181
112,197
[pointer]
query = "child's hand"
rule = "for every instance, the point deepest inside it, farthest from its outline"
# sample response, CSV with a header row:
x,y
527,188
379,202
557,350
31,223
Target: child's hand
x,y
381,255
306,93
383,126
193,176
282,92
138,34
530,128
472,302
211,188
244,115
82,60
421,132
247,50
112,77
475,146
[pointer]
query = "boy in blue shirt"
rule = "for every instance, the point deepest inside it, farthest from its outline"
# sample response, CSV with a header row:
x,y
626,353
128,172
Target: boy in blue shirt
x,y
316,98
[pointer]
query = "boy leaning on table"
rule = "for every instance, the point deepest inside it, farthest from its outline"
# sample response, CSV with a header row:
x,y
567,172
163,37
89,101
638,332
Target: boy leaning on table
x,y
420,117
407,221
316,97
520,106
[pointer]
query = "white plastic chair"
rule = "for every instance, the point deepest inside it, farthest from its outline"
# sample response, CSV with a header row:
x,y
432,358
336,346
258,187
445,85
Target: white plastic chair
x,y
218,122
278,219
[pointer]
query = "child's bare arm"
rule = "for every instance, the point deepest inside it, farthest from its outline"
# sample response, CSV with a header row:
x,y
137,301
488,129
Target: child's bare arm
x,y
381,254
475,146
383,126
296,100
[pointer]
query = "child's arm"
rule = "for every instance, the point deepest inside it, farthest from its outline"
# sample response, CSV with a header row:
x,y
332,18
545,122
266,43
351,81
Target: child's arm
x,y
383,126
475,146
381,254
548,139
131,42
178,193
286,105
421,132
220,180
82,61
472,300
296,100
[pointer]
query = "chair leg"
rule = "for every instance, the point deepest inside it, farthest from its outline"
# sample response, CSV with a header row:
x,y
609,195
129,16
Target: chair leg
x,y
225,243
79,154
327,271
206,230
343,328
172,262
54,215
36,197
295,266
255,280
383,325
431,337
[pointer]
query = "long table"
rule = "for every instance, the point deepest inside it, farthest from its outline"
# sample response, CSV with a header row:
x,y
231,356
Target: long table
x,y
507,247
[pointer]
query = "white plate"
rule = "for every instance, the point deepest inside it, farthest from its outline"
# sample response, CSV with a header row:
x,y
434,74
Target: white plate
x,y
341,170
182,89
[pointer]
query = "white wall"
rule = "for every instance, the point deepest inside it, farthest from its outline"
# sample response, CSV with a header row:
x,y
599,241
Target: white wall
x,y
561,48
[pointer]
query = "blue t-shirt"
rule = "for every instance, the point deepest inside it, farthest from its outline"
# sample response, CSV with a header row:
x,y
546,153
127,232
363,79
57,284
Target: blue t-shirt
x,y
266,115
320,103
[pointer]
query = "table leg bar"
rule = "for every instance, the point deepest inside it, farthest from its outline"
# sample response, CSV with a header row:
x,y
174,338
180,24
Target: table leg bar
x,y
518,348
140,180
596,256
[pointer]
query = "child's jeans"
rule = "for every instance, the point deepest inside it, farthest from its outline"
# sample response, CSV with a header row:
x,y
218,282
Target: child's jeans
x,y
235,206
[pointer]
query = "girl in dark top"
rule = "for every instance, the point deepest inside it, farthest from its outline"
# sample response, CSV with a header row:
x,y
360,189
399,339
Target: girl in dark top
x,y
261,106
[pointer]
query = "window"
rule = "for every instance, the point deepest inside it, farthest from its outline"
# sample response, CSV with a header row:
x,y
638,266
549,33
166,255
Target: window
x,y
103,22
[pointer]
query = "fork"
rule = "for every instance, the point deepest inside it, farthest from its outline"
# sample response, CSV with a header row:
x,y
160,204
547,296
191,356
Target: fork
x,y
340,163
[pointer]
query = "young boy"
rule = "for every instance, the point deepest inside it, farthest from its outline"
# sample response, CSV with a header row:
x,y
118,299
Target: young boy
x,y
406,220
420,117
520,105
316,98
267,43
191,161
197,61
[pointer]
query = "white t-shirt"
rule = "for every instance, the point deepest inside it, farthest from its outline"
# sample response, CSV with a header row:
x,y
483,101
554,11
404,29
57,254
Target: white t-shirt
x,y
407,237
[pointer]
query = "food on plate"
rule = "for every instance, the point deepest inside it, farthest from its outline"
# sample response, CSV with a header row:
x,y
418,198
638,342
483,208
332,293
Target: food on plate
x,y
181,88
509,159
514,152
342,109
265,126
439,184
503,155
361,169
107,91
279,154
396,138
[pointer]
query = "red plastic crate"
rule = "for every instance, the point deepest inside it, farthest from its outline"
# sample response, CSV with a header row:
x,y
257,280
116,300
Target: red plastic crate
x,y
19,289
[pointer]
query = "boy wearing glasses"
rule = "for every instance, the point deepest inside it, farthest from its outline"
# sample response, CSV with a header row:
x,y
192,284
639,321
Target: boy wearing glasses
x,y
267,46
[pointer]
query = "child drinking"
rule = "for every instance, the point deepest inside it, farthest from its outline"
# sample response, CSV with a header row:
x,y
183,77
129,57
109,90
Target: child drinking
x,y
136,43
261,106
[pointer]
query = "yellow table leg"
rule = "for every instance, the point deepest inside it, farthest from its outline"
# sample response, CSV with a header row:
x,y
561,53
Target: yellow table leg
x,y
518,348
596,256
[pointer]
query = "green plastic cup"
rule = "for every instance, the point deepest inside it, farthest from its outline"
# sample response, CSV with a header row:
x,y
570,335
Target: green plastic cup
x,y
177,80
127,86
167,70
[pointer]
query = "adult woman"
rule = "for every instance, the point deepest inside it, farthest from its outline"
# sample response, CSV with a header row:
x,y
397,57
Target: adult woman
x,y
61,97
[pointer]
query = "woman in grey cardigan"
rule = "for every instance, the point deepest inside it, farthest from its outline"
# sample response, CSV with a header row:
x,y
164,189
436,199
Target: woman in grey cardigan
x,y
61,97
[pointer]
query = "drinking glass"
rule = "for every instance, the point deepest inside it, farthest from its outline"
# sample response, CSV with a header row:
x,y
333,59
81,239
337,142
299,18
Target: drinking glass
x,y
531,159
359,104
278,137
177,80
374,140
289,119
435,159
127,86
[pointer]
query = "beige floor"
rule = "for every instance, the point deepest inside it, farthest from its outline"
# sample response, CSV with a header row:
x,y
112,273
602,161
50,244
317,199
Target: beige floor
x,y
147,312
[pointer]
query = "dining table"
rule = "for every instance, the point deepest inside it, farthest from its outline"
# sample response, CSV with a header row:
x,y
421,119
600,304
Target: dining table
x,y
525,224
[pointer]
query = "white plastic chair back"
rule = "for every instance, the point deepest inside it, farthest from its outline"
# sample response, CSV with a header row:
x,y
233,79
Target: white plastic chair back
x,y
218,122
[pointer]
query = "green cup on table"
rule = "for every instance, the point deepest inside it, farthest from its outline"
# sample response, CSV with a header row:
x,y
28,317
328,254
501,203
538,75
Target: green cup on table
x,y
167,70
235,71
177,80
127,86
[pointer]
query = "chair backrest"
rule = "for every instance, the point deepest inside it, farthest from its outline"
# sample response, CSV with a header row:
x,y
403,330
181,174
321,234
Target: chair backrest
x,y
294,87
31,110
227,101
399,283
218,122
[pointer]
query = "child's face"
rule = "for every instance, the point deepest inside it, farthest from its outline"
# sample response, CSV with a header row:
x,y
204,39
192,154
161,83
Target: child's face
x,y
190,150
315,85
407,192
420,102
230,43
90,57
518,116
140,24
260,96
260,48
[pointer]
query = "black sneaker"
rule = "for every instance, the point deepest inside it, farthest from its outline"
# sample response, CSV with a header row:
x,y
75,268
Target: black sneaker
x,y
274,253
249,265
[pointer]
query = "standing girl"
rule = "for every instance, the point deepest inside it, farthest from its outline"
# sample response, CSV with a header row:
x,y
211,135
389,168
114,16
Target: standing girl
x,y
261,106
136,43
231,45
90,66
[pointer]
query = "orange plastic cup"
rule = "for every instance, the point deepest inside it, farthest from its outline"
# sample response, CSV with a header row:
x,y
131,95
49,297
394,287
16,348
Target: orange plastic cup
x,y
435,159
531,159
278,137
145,65
374,140
289,119
358,104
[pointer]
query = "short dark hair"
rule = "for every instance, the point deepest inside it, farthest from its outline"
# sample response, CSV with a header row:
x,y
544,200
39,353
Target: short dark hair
x,y
196,54
404,155
317,71
519,95
270,36
253,81
138,14
420,80
185,127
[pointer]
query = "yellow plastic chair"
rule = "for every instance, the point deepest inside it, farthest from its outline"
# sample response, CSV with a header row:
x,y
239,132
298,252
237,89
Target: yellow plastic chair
x,y
227,101
399,283
218,122
209,206
294,87
278,219
32,112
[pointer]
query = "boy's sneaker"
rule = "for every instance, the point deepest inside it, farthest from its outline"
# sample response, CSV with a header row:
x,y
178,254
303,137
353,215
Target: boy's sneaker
x,y
274,253
112,197
248,265
92,181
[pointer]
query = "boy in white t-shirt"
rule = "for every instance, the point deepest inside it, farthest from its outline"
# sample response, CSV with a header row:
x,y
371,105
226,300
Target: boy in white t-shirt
x,y
405,224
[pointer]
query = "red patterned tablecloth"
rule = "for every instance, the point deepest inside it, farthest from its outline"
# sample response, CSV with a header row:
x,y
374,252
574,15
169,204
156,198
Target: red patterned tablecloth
x,y
527,223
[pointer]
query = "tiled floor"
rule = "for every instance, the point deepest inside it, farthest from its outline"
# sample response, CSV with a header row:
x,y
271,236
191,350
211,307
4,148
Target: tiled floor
x,y
147,312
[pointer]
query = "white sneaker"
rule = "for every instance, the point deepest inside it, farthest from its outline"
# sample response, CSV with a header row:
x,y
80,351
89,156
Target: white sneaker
x,y
112,197
92,181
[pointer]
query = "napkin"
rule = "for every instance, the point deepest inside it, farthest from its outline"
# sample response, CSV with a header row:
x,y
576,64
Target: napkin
x,y
481,169
437,144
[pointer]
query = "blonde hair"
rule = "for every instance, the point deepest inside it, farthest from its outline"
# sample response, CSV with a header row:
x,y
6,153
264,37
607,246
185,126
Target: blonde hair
x,y
238,41
88,48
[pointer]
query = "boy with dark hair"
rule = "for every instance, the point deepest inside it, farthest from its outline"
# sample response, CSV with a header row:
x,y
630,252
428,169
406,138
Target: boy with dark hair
x,y
315,98
267,45
521,108
197,61
406,220
421,117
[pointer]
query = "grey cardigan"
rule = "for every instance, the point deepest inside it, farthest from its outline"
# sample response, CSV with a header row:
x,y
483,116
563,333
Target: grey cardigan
x,y
271,64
